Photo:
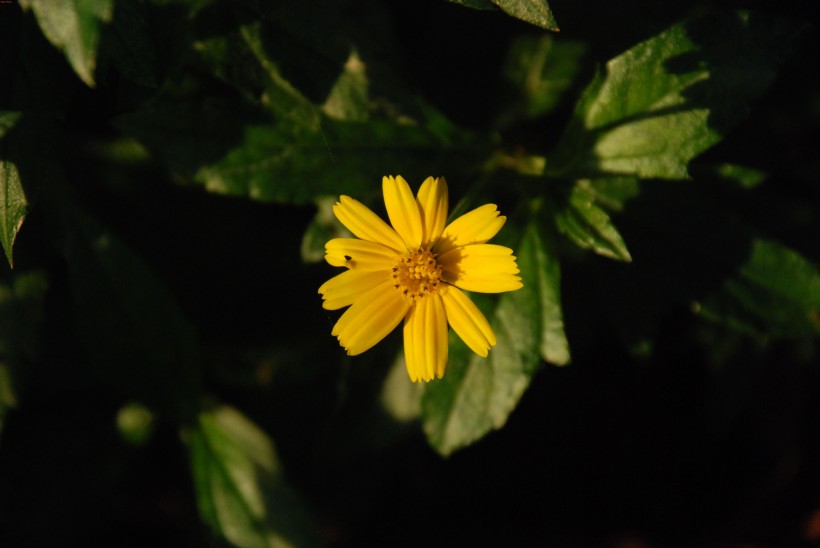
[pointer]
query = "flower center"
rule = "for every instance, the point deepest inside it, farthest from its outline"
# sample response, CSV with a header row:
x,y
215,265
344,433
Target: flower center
x,y
416,274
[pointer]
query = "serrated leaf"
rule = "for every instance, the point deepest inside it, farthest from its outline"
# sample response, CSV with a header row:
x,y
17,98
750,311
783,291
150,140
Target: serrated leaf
x,y
536,12
13,202
133,332
283,147
74,27
212,144
240,491
584,222
668,99
7,121
744,176
775,292
13,206
477,395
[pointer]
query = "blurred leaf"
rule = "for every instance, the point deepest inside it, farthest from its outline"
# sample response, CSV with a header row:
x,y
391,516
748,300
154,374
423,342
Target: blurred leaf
x,y
21,319
744,176
128,45
240,490
540,69
536,12
589,226
280,146
776,292
348,100
478,394
135,423
74,27
322,228
13,202
131,327
668,99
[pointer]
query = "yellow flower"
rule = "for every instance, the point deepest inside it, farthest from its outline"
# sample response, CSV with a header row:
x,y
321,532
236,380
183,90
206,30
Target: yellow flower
x,y
415,271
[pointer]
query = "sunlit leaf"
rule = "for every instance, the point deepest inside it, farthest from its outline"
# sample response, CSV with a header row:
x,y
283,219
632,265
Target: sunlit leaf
x,y
744,176
536,12
322,228
775,292
280,146
584,222
478,394
240,490
74,27
7,121
668,99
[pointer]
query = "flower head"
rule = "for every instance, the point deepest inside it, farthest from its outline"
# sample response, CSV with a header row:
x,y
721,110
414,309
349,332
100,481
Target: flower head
x,y
415,271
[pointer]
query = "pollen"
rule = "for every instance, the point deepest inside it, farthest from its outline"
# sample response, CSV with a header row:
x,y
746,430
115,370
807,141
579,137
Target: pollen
x,y
417,274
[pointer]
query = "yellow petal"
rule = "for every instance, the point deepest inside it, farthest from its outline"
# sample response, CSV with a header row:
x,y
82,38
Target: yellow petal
x,y
467,321
365,224
432,201
350,286
371,318
425,339
486,268
359,254
403,210
474,227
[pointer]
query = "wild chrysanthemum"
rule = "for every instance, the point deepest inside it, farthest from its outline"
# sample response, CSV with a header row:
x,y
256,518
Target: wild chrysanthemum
x,y
416,271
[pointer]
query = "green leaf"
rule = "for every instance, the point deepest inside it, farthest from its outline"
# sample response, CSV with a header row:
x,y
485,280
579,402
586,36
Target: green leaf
x,y
13,202
7,121
279,146
539,69
584,222
477,395
240,491
745,177
134,333
668,99
21,322
536,12
322,228
74,27
776,292
348,99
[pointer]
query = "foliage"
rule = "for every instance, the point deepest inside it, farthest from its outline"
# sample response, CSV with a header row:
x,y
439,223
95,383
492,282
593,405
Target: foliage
x,y
167,171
